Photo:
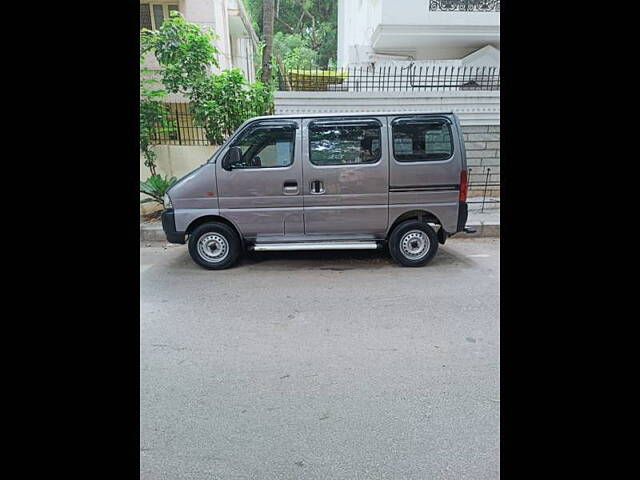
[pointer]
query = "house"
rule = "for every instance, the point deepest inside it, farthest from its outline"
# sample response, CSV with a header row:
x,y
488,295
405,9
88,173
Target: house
x,y
237,41
441,32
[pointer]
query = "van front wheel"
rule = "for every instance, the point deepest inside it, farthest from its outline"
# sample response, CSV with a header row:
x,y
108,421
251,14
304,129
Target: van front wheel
x,y
413,243
214,246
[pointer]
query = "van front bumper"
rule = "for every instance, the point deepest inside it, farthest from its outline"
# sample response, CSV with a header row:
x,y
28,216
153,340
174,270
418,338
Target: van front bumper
x,y
169,227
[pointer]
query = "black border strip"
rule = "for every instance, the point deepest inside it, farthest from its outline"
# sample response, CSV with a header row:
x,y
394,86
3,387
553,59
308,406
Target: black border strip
x,y
363,121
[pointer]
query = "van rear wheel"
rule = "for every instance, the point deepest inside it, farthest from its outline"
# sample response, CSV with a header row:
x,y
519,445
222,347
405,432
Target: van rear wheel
x,y
214,246
413,243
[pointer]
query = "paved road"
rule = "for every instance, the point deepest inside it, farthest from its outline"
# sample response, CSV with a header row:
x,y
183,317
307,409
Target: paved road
x,y
320,365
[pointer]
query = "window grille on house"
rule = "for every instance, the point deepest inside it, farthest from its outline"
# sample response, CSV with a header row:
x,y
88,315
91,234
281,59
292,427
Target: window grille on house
x,y
152,15
464,5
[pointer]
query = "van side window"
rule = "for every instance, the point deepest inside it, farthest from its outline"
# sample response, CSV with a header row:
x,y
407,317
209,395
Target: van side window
x,y
418,140
344,144
266,147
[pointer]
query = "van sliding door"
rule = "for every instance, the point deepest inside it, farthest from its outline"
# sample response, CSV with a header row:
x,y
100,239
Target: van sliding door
x,y
345,175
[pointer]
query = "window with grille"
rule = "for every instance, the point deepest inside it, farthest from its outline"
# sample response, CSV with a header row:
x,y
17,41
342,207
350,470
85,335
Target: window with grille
x,y
152,15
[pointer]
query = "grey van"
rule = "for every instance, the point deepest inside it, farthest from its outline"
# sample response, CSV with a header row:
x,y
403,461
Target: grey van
x,y
325,181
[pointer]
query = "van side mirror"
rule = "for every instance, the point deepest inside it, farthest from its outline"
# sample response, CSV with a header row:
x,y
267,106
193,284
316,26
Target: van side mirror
x,y
232,158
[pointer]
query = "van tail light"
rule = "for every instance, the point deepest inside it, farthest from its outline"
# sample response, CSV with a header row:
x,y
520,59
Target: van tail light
x,y
464,186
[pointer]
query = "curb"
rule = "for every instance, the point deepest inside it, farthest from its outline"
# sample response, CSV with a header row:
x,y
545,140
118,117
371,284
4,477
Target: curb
x,y
152,232
484,230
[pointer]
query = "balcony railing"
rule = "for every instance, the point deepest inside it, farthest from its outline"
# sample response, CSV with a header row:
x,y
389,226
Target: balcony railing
x,y
464,5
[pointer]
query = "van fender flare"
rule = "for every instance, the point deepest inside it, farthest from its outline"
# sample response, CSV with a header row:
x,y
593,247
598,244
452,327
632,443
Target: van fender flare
x,y
423,216
217,217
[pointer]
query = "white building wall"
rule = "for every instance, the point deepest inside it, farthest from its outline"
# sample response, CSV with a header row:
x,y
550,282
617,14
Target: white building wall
x,y
416,12
242,55
357,20
472,107
376,30
200,12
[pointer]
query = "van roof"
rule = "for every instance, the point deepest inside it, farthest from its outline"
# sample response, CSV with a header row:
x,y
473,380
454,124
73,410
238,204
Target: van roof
x,y
349,114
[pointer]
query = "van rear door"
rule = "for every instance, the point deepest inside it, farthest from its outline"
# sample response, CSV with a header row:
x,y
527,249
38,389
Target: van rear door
x,y
427,157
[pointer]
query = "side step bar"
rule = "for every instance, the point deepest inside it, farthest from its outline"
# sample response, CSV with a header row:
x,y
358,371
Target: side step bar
x,y
280,247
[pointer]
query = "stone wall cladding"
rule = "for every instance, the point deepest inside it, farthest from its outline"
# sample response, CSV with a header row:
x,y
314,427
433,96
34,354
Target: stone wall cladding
x,y
482,143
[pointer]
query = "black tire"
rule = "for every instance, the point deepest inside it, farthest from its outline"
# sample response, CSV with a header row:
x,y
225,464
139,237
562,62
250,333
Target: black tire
x,y
413,242
217,232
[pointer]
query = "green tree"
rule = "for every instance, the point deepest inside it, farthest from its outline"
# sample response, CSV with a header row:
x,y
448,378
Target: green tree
x,y
154,116
295,51
267,33
184,50
315,21
219,103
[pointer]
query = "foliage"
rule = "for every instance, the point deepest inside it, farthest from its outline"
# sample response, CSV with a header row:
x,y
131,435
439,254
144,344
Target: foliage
x,y
315,21
295,51
156,187
152,113
274,64
225,101
184,50
220,103
153,116
259,100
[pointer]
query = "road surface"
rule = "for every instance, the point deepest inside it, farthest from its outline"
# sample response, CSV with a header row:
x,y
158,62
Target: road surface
x,y
321,365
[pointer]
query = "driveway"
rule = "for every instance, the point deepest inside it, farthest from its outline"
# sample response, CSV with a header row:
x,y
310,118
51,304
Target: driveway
x,y
321,365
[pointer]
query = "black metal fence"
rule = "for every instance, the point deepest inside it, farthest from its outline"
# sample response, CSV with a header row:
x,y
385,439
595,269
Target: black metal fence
x,y
391,78
183,129
484,186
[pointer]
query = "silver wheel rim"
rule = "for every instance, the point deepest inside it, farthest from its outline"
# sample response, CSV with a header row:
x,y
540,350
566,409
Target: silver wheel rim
x,y
213,247
415,244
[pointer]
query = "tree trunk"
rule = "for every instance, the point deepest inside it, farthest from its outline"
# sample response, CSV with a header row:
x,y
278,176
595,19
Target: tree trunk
x,y
268,15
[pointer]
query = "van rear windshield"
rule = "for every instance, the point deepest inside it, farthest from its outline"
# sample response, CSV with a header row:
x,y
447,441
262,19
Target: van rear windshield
x,y
419,140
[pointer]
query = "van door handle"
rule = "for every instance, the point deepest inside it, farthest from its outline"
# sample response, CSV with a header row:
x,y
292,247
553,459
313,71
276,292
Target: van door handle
x,y
290,187
317,187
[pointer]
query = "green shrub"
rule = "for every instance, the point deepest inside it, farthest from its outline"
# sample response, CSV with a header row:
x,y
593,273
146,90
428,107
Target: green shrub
x,y
156,186
223,102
